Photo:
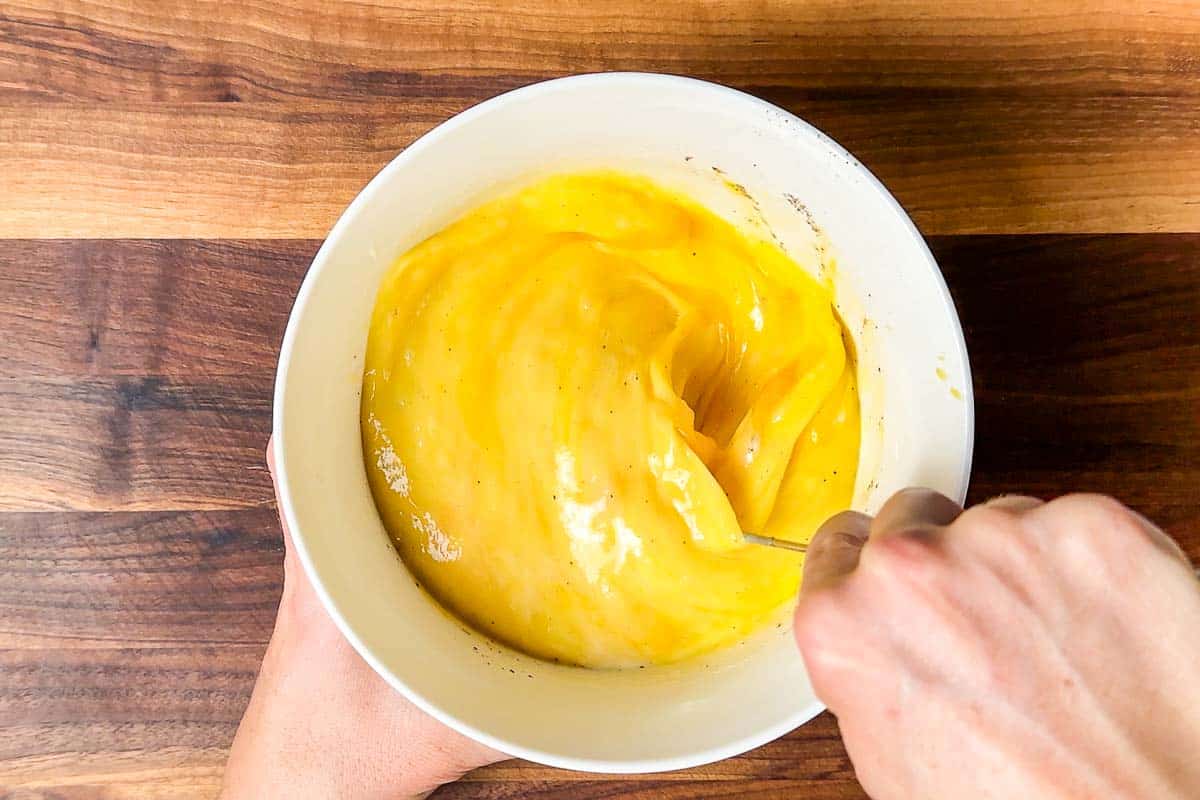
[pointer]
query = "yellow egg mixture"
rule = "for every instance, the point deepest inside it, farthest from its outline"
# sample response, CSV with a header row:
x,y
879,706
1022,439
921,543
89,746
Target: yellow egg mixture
x,y
575,400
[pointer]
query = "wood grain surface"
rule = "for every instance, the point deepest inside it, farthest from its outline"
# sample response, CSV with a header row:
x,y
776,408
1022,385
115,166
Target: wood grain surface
x,y
982,118
991,163
203,51
167,171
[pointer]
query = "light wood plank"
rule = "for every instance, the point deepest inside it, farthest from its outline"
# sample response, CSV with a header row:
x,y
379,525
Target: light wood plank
x,y
87,773
989,164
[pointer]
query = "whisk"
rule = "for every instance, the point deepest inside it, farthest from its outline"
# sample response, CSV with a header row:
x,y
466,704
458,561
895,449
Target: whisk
x,y
770,541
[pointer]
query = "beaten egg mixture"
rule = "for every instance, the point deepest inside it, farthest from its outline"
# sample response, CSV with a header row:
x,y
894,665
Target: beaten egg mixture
x,y
578,396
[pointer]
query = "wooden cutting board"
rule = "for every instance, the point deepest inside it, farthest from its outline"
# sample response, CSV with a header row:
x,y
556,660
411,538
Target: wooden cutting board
x,y
167,171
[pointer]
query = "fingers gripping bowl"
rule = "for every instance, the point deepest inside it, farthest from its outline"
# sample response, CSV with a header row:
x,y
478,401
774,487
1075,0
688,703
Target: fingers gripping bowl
x,y
747,162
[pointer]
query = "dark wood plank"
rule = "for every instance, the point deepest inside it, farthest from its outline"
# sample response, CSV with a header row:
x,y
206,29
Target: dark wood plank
x,y
134,443
813,753
138,374
1086,359
185,309
1086,351
133,640
128,647
356,52
654,789
960,163
120,722
104,581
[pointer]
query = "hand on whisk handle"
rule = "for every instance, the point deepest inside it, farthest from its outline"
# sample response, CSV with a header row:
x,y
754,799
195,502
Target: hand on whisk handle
x,y
1015,649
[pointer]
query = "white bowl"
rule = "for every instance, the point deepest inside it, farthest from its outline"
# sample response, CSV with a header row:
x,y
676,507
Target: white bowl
x,y
700,138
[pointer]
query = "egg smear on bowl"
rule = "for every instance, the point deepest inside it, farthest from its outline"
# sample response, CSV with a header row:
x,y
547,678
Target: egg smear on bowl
x,y
578,396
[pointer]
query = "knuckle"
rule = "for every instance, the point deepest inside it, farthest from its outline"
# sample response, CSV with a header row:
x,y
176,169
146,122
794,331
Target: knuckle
x,y
997,534
1100,506
1097,518
903,558
1101,538
986,519
910,493
1013,504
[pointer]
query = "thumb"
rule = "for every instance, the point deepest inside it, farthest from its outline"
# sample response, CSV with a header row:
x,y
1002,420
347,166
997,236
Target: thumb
x,y
834,550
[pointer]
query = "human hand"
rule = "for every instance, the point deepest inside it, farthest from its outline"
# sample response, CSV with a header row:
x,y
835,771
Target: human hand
x,y
322,724
1018,650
